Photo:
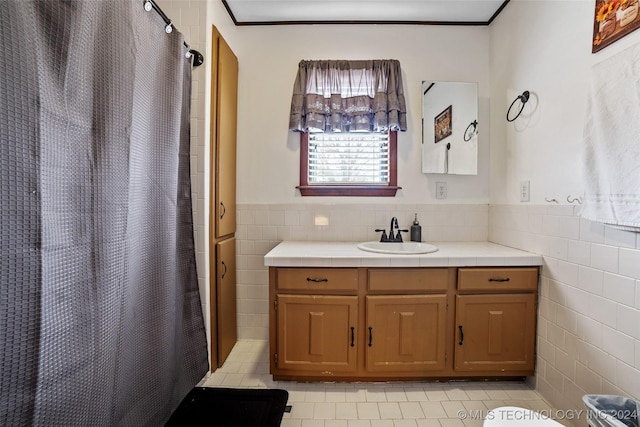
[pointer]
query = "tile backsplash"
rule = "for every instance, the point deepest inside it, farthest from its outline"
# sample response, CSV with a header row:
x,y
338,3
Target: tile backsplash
x,y
261,227
589,308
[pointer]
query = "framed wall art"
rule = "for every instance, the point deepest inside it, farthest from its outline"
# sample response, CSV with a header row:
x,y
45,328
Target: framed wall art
x,y
612,20
442,124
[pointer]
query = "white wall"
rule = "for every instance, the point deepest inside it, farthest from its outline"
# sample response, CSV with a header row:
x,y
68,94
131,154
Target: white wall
x,y
268,153
544,47
589,312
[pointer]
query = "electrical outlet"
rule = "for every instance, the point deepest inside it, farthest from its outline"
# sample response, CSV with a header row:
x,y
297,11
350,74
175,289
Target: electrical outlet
x,y
441,190
524,191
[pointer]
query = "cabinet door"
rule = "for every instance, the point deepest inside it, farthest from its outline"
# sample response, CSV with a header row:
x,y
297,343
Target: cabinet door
x,y
317,334
225,140
495,332
406,333
226,298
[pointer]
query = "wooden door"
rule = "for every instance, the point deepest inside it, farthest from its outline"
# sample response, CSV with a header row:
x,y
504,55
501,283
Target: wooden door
x,y
495,332
225,140
317,333
406,333
226,298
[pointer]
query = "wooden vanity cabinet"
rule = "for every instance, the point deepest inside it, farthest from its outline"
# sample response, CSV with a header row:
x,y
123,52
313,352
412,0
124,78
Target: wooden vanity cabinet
x,y
373,324
315,313
225,296
496,320
406,320
316,333
405,333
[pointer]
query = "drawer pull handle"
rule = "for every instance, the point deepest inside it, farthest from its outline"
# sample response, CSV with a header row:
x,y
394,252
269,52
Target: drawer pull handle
x,y
461,335
353,336
504,279
311,279
370,336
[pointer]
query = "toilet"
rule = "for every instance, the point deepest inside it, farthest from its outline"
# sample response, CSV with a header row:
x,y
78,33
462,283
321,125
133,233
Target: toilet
x,y
507,416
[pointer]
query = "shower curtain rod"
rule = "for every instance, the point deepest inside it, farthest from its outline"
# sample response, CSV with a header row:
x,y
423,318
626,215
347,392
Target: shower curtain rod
x,y
198,59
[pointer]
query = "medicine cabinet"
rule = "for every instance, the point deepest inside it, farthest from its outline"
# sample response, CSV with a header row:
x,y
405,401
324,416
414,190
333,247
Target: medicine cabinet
x,y
450,127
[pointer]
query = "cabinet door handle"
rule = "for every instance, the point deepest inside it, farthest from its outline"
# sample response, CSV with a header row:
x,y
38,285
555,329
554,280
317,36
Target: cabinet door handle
x,y
224,270
311,279
502,279
461,335
223,210
353,336
370,336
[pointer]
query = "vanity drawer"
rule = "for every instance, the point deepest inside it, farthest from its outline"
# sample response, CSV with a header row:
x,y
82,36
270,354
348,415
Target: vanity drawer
x,y
338,279
408,279
498,279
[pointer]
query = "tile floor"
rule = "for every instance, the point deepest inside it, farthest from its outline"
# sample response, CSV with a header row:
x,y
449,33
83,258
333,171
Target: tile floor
x,y
391,404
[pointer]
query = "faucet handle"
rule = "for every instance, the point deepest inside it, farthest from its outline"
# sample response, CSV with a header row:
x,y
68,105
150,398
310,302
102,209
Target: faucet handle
x,y
384,237
398,237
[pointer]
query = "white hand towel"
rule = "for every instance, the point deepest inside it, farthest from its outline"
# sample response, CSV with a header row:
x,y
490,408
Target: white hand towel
x,y
612,142
435,160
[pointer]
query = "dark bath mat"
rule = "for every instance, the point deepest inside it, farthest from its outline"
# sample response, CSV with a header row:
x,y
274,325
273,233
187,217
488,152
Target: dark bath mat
x,y
230,407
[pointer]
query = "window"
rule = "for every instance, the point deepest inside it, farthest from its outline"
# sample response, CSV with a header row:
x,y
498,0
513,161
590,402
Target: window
x,y
355,158
348,114
348,164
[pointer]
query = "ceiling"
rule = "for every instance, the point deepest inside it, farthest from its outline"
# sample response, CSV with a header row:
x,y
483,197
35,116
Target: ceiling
x,y
421,12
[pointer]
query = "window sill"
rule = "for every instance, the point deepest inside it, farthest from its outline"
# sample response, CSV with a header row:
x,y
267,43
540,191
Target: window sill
x,y
349,190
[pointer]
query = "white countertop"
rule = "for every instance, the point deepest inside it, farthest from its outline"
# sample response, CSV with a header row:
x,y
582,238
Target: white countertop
x,y
346,254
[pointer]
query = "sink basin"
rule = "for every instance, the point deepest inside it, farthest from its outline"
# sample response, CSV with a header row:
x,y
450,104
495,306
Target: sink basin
x,y
402,248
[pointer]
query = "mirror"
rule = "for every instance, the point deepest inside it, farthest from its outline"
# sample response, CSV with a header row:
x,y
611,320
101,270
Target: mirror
x,y
450,127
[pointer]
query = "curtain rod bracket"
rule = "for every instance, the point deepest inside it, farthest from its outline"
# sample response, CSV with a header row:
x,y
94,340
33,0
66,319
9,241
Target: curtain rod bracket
x,y
198,58
149,5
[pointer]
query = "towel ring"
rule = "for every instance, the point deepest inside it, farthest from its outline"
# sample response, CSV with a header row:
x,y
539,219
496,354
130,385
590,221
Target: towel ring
x,y
473,132
523,99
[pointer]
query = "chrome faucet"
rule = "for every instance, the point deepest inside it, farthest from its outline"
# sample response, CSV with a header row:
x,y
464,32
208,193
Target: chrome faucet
x,y
392,237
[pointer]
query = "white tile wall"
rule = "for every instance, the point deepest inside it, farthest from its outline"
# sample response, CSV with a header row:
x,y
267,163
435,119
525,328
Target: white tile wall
x,y
589,317
261,227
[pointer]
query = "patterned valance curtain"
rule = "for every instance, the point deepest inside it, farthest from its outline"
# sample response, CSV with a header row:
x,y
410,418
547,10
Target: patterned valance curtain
x,y
348,96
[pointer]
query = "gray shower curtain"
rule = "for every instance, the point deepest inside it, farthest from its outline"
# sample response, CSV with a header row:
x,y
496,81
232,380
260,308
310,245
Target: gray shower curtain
x,y
100,314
